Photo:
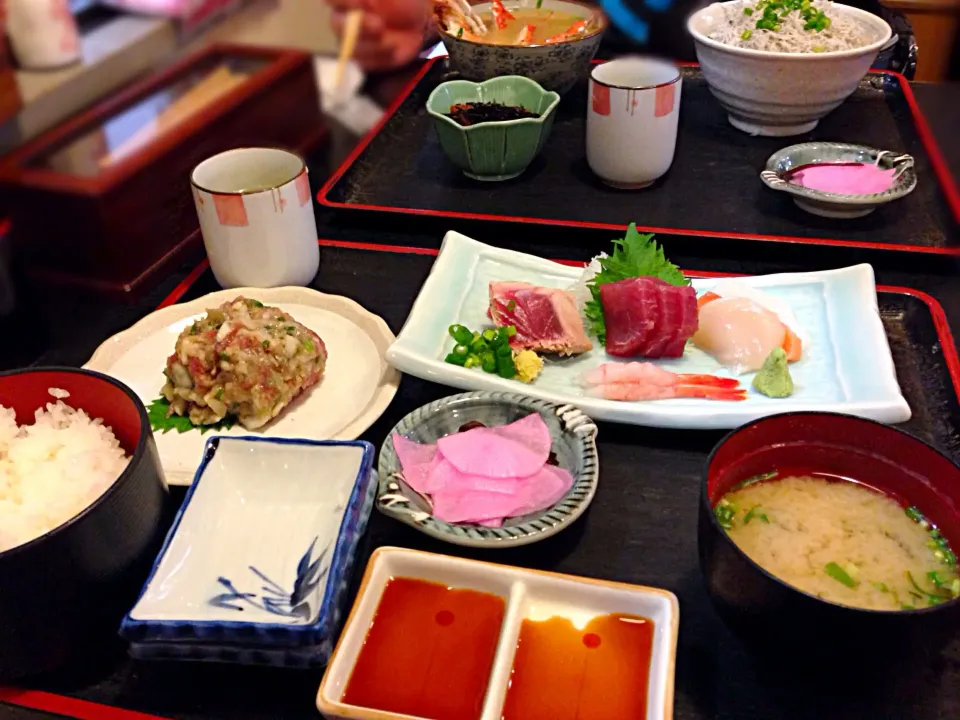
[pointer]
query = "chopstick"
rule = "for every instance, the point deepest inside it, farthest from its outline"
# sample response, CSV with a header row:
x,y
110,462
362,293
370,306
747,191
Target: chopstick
x,y
351,32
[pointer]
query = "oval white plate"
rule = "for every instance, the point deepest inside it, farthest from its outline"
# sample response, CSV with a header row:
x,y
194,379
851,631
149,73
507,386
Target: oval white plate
x,y
357,386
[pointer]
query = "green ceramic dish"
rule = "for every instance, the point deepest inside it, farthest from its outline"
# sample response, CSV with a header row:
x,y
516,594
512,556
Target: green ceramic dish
x,y
495,150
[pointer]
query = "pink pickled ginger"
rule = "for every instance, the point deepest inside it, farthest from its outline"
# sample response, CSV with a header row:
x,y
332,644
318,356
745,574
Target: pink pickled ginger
x,y
485,475
515,450
416,460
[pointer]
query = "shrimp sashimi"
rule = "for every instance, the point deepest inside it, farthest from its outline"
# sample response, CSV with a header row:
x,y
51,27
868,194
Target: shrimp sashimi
x,y
741,333
645,381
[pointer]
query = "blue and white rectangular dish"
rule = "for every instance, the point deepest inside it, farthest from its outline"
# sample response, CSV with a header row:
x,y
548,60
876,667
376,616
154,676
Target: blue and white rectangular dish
x,y
256,566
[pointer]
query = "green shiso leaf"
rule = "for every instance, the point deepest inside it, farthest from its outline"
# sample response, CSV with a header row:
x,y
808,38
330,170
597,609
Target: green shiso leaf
x,y
163,421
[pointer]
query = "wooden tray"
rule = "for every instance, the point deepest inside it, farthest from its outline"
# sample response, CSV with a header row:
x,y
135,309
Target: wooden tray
x,y
102,202
713,189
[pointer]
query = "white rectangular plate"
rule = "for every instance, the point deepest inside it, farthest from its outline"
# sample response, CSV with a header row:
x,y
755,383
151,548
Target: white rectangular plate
x,y
529,594
846,366
273,541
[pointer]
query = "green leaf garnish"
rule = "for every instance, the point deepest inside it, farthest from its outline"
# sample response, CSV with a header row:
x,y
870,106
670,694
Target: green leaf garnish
x,y
725,512
913,514
839,574
755,479
162,420
932,598
755,512
635,255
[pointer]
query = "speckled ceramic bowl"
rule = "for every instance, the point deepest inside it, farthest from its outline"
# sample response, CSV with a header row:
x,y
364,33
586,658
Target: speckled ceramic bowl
x,y
780,94
556,67
835,205
493,150
574,443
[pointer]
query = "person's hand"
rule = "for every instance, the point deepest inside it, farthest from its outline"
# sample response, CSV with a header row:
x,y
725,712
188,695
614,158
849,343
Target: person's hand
x,y
392,32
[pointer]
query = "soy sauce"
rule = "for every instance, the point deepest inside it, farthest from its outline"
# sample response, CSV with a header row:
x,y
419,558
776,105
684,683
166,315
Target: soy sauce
x,y
601,672
429,651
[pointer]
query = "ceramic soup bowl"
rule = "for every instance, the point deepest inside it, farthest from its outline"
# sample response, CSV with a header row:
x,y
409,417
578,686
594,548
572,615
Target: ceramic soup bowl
x,y
556,66
785,623
779,94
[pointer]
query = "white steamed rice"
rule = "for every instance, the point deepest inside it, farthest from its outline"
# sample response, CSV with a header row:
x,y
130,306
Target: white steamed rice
x,y
52,470
844,33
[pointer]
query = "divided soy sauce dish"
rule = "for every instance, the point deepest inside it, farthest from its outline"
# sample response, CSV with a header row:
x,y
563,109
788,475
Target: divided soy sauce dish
x,y
504,643
256,567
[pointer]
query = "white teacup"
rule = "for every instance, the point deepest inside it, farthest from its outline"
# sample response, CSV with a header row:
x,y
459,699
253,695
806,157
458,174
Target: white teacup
x,y
256,216
634,106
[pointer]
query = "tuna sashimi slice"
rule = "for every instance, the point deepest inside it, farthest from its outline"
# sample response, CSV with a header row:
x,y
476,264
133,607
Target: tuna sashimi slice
x,y
645,316
516,450
416,460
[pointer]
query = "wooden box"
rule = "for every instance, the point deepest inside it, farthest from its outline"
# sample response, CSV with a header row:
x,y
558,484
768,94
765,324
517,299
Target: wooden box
x,y
103,201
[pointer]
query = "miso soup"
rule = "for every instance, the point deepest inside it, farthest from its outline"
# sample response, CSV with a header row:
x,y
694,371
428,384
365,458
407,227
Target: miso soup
x,y
841,541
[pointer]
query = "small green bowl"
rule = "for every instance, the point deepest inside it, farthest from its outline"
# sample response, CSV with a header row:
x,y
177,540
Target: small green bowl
x,y
494,150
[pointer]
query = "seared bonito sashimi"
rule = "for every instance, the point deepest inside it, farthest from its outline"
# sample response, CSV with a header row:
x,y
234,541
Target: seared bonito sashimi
x,y
546,319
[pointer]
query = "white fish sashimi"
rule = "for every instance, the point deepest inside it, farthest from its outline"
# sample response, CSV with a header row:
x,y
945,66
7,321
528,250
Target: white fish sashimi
x,y
739,333
729,288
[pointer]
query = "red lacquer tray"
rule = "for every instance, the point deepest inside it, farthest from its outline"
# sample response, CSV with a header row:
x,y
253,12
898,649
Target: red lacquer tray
x,y
713,189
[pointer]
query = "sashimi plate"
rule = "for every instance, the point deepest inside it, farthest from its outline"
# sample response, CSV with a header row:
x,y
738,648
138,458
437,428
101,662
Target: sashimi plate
x,y
846,367
357,385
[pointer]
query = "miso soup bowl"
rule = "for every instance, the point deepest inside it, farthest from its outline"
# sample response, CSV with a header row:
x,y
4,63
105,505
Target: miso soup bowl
x,y
556,67
783,621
